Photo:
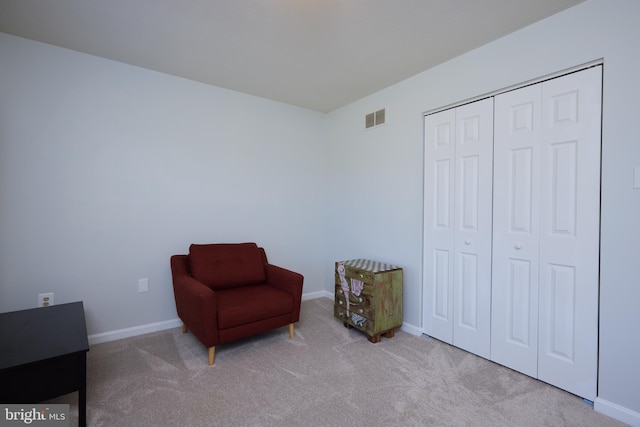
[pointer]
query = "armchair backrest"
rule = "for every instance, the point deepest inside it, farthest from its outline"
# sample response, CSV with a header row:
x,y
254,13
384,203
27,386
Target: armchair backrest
x,y
227,265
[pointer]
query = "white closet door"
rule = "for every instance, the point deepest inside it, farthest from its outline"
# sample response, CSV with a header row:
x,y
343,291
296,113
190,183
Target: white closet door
x,y
514,318
439,160
472,237
569,231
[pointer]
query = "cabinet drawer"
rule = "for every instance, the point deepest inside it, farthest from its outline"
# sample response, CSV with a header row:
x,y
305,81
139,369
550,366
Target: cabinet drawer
x,y
361,304
356,287
357,321
357,273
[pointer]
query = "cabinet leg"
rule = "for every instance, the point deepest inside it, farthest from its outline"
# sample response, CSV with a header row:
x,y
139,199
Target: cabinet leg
x,y
390,333
346,325
375,338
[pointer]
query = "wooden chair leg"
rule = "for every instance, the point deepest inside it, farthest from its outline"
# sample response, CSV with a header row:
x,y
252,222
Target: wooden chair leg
x,y
184,328
291,330
212,355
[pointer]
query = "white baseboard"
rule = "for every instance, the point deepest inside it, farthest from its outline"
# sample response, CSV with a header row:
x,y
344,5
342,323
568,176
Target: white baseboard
x,y
167,324
134,331
411,329
174,323
319,294
616,411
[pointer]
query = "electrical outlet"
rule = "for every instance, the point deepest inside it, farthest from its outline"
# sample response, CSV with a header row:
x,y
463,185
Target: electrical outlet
x,y
45,300
143,285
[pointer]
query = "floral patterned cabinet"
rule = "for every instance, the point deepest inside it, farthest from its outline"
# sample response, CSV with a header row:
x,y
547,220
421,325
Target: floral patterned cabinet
x,y
369,297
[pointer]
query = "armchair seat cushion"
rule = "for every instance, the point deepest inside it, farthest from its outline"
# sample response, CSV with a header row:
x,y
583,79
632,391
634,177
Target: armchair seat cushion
x,y
248,304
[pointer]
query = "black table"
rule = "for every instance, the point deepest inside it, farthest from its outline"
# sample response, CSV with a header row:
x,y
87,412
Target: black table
x,y
43,354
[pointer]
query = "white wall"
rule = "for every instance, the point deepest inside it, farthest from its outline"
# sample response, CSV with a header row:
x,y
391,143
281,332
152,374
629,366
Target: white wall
x,y
107,169
375,176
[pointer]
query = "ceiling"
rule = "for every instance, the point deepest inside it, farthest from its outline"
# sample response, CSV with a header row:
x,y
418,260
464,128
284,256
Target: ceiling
x,y
317,54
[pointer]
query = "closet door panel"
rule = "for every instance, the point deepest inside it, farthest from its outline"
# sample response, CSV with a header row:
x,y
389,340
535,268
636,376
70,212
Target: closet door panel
x,y
472,237
569,244
516,193
439,160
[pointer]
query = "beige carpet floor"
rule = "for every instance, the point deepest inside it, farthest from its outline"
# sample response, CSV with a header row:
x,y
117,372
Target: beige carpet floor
x,y
327,376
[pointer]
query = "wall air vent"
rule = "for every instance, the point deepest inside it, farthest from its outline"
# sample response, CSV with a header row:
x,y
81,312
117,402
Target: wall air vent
x,y
376,118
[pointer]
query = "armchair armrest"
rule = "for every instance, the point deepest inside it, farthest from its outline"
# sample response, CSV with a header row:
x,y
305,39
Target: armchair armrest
x,y
195,302
287,281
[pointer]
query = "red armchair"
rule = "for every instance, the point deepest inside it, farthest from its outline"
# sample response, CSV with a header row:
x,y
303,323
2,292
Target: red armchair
x,y
229,291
